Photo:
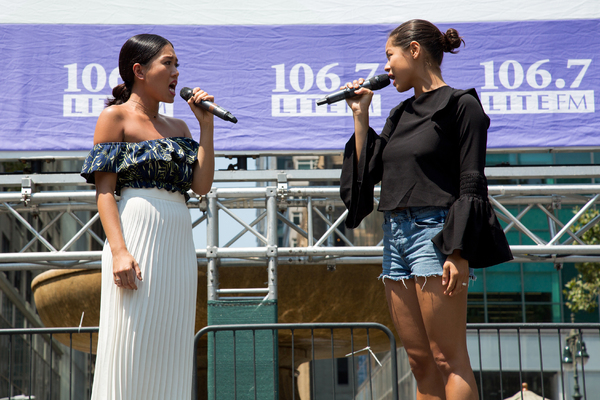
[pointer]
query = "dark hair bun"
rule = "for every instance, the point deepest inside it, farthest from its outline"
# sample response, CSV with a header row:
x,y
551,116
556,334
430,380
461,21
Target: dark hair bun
x,y
451,41
120,94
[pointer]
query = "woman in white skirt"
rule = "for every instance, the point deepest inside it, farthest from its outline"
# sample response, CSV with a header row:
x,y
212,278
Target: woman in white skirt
x,y
149,270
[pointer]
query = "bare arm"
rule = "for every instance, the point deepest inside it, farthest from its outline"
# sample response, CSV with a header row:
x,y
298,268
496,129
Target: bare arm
x,y
204,169
125,267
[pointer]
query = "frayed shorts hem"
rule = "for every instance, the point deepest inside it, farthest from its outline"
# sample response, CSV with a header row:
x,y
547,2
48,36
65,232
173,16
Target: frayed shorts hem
x,y
401,278
382,277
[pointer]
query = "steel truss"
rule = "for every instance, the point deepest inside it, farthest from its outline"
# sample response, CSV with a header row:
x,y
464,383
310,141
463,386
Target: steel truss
x,y
282,190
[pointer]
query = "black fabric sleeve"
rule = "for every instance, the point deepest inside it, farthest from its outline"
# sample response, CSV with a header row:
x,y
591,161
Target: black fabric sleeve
x,y
359,177
357,182
471,225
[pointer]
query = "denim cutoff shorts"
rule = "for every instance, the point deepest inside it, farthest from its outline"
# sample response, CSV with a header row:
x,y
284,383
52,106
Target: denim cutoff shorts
x,y
407,247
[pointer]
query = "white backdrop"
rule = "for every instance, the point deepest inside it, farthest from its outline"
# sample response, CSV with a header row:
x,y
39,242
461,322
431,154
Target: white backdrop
x,y
259,59
274,12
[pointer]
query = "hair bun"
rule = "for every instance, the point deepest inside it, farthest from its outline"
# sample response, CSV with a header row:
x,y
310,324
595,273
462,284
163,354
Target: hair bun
x,y
120,94
451,41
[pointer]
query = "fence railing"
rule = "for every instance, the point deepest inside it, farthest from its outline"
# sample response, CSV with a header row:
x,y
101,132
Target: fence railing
x,y
20,362
554,349
298,333
550,357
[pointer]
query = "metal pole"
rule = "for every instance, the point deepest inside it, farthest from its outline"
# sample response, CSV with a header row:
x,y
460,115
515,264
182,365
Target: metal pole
x,y
272,241
330,241
309,223
212,243
576,393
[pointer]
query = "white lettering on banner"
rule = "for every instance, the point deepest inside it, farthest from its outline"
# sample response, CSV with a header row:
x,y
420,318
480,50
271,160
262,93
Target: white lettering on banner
x,y
538,102
83,105
301,79
512,75
91,105
305,105
94,79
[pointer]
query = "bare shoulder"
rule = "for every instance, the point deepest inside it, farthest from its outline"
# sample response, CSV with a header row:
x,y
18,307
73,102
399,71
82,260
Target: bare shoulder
x,y
110,125
179,126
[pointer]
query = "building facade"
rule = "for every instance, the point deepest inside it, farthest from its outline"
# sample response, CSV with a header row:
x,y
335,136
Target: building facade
x,y
36,365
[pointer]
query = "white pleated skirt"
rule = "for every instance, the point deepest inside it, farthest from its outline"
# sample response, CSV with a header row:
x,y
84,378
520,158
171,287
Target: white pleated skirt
x,y
145,343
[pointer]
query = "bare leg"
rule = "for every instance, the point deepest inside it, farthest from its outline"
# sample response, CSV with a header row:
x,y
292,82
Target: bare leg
x,y
406,313
445,321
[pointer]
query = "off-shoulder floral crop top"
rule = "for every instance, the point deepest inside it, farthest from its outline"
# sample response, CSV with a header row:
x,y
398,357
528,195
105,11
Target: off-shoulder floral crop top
x,y
162,163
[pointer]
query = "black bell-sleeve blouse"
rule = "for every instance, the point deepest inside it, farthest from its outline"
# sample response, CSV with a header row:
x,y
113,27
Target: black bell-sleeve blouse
x,y
431,152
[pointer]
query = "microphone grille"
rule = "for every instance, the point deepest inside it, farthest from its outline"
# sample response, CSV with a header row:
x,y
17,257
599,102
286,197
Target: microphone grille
x,y
379,81
186,93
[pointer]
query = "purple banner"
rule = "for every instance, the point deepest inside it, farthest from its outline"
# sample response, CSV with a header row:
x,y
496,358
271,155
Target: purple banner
x,y
536,85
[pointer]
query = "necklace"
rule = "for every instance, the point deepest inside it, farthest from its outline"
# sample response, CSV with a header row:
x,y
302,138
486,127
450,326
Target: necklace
x,y
144,109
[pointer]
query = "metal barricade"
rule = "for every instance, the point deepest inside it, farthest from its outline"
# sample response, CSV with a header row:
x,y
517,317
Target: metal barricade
x,y
523,352
538,348
10,339
276,330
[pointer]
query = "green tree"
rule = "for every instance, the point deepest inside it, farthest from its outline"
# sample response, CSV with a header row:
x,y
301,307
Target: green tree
x,y
582,291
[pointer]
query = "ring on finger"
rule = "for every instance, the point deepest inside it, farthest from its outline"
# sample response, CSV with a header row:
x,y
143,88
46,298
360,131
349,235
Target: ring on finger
x,y
464,283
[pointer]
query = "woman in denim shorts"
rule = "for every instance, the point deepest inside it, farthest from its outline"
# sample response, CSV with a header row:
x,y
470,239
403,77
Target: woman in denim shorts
x,y
438,222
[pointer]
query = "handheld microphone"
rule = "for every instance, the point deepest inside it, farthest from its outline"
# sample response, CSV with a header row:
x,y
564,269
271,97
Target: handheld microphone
x,y
211,107
375,83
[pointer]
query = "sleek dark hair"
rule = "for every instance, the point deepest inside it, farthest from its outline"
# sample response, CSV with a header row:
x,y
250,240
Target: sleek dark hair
x,y
137,49
429,37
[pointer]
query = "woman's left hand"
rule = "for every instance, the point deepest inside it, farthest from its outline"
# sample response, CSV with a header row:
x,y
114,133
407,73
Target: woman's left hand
x,y
203,116
456,274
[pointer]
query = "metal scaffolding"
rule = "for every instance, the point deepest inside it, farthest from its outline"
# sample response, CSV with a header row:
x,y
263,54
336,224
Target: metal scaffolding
x,y
277,191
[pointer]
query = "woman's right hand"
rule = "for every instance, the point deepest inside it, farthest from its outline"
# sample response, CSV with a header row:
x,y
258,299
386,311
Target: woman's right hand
x,y
203,116
359,104
125,270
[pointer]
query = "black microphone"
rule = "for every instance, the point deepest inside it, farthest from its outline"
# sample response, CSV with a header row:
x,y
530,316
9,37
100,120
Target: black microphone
x,y
211,107
375,83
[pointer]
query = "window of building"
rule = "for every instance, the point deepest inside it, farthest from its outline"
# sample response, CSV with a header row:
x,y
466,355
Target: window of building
x,y
285,162
306,162
297,217
5,244
28,280
17,280
342,371
5,248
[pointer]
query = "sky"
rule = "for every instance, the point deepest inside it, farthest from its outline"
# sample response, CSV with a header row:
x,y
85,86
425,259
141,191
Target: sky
x,y
228,226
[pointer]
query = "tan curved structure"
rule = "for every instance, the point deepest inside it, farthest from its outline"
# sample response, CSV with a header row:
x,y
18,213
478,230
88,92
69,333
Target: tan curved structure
x,y
61,296
307,293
